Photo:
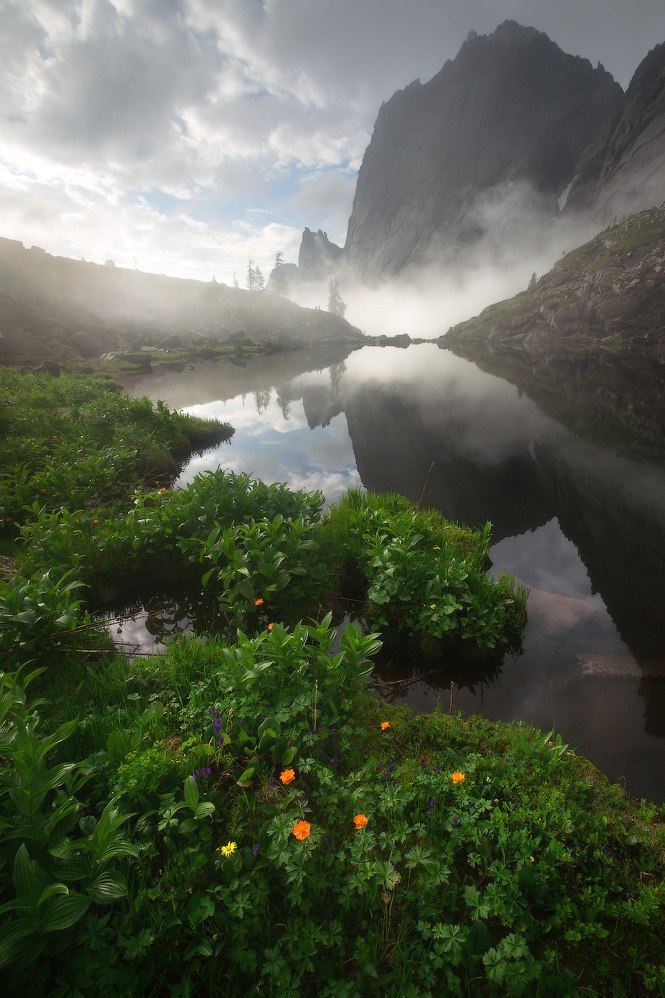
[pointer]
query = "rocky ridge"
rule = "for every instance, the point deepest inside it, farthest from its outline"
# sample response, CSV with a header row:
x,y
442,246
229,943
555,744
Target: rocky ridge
x,y
627,172
511,109
587,340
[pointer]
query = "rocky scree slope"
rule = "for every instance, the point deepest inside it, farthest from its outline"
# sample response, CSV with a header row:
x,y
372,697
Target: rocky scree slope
x,y
588,339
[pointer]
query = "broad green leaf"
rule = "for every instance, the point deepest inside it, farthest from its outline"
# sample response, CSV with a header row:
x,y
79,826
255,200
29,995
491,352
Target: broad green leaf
x,y
106,888
64,912
191,792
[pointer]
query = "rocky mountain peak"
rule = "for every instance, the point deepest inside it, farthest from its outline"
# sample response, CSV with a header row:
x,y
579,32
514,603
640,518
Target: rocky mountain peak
x,y
512,107
627,172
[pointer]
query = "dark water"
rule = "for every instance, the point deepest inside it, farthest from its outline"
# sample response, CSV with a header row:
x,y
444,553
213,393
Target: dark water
x,y
583,527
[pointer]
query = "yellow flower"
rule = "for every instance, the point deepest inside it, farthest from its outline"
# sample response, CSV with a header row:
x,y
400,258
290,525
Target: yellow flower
x,y
95,521
457,777
301,830
436,548
288,776
258,602
228,849
432,606
360,820
532,859
270,627
385,725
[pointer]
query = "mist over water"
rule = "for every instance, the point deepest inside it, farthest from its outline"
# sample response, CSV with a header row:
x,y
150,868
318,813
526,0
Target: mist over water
x,y
518,233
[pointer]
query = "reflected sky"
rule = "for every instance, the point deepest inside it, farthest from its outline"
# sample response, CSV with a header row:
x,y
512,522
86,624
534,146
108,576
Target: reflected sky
x,y
582,527
274,443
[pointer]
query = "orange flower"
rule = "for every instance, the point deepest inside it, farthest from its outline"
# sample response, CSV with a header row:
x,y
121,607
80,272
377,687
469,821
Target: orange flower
x,y
457,777
385,725
301,830
270,627
258,602
360,820
288,776
162,490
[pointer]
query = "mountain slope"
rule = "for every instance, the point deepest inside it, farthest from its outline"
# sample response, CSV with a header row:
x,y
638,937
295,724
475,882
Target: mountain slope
x,y
627,173
511,108
589,338
52,308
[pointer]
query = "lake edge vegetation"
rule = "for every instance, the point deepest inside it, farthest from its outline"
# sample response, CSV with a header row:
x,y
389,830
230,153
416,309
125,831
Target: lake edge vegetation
x,y
240,814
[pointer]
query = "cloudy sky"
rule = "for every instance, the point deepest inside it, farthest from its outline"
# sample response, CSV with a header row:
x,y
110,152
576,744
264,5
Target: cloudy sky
x,y
185,136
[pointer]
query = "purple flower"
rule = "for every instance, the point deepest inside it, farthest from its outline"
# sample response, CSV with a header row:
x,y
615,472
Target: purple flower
x,y
206,771
273,783
196,774
218,724
606,851
255,849
220,741
437,769
455,821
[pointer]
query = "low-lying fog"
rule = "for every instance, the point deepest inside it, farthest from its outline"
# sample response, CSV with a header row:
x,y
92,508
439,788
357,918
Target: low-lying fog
x,y
520,238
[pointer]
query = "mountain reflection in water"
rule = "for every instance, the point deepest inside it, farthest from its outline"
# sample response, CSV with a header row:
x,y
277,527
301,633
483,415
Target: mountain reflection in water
x,y
583,527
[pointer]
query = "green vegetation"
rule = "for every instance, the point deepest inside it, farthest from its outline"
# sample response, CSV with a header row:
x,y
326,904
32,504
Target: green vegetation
x,y
240,815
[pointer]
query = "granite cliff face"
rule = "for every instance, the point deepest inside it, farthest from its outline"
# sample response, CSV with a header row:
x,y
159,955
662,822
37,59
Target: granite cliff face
x,y
510,110
588,339
627,172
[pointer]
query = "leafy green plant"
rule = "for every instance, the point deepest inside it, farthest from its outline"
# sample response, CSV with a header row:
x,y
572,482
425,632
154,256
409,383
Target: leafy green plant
x,y
39,615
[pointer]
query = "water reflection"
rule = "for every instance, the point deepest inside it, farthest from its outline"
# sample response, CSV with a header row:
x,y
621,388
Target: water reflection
x,y
584,528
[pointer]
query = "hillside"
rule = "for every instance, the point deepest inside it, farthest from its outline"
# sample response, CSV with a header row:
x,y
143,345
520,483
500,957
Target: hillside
x,y
588,339
54,309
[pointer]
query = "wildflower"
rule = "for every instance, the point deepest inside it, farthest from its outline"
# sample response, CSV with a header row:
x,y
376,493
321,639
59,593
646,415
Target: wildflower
x,y
360,820
55,437
255,849
606,851
162,490
220,741
432,606
205,772
95,521
196,774
436,548
270,627
454,821
287,776
258,602
532,859
228,849
217,724
457,777
301,830
385,725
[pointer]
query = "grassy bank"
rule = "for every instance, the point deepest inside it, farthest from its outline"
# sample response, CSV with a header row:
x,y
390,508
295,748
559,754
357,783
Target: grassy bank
x,y
240,815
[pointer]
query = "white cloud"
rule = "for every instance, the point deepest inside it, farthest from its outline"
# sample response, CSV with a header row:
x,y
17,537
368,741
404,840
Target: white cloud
x,y
230,105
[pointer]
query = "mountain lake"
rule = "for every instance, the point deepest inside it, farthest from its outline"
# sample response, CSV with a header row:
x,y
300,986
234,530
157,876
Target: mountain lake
x,y
582,526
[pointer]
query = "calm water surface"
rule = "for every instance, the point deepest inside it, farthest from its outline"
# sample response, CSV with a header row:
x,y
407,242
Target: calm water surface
x,y
583,527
